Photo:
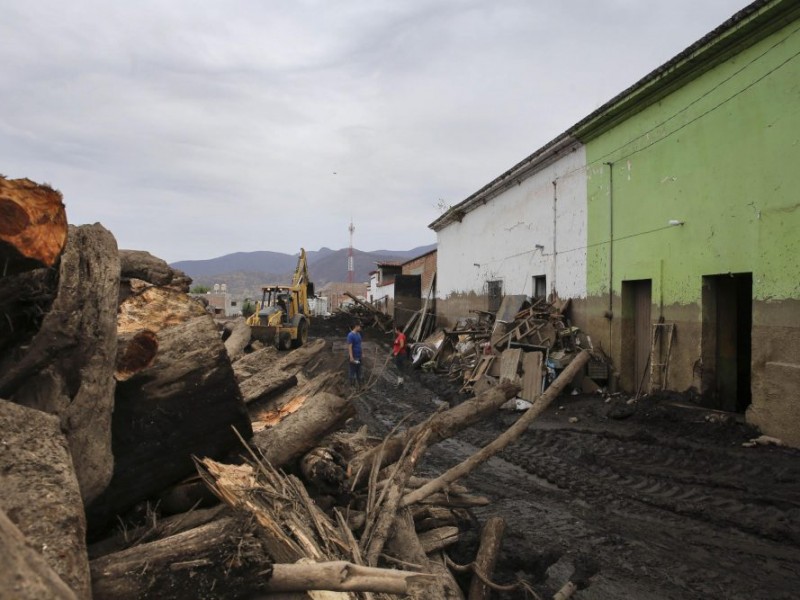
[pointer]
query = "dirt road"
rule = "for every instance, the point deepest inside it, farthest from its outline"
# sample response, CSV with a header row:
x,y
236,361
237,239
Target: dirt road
x,y
667,503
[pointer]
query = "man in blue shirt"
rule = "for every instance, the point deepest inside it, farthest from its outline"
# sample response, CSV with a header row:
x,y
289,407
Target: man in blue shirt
x,y
354,352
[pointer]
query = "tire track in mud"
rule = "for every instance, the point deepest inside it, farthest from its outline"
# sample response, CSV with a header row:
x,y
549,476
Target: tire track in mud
x,y
716,487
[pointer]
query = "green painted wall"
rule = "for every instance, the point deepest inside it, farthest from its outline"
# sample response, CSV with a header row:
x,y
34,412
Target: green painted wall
x,y
722,153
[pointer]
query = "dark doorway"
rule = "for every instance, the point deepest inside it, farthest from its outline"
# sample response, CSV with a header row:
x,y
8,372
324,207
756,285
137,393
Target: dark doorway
x,y
539,286
636,331
727,324
407,297
494,290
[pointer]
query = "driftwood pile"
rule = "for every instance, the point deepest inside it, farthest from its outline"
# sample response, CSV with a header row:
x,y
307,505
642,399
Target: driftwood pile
x,y
196,466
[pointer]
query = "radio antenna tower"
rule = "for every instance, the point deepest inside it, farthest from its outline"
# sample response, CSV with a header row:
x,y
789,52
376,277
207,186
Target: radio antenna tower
x,y
351,273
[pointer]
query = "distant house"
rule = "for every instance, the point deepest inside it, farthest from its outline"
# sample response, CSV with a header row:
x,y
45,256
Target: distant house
x,y
399,288
381,285
670,216
335,293
220,302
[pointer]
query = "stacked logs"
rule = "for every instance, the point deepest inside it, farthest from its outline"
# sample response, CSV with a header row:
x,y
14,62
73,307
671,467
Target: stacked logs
x,y
111,378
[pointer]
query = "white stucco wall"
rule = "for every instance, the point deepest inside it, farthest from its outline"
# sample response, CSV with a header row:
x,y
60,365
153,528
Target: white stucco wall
x,y
501,236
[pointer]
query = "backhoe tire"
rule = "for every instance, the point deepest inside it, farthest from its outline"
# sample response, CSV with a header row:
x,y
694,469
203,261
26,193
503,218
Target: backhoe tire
x,y
302,334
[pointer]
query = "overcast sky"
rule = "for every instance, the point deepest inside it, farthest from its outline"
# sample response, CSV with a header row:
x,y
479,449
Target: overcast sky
x,y
194,128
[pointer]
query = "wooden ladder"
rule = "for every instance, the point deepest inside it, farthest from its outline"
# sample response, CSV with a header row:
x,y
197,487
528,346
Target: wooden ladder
x,y
659,354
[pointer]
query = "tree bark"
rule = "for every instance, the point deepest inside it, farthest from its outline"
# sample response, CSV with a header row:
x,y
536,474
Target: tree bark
x,y
379,525
185,403
439,539
263,374
158,529
342,576
485,561
405,545
238,339
506,438
222,559
25,574
299,432
138,264
443,426
68,367
33,226
39,492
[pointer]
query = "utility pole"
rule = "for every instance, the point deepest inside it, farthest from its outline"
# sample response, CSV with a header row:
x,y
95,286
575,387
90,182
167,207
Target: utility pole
x,y
351,273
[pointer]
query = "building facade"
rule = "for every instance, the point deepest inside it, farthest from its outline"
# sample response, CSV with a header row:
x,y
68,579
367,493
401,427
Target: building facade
x,y
694,220
674,225
524,233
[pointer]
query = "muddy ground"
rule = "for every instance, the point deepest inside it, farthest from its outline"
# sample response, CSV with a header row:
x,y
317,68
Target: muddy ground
x,y
663,501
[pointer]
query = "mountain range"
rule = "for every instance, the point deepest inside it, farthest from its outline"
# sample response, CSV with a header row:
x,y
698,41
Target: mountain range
x,y
245,272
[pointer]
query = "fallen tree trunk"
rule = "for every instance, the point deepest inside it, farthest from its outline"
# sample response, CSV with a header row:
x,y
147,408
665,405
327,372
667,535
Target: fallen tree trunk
x,y
221,555
262,375
485,561
39,492
439,539
33,226
25,574
443,426
404,545
158,529
342,576
67,369
138,264
298,432
238,339
506,438
185,403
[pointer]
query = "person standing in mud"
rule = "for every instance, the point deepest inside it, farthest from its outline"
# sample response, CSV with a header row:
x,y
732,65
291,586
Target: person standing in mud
x,y
354,353
399,352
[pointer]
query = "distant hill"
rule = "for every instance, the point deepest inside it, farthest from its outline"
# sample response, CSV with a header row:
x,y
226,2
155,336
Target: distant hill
x,y
245,272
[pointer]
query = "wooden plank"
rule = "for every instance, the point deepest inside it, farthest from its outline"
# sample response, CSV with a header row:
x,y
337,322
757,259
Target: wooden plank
x,y
509,364
531,376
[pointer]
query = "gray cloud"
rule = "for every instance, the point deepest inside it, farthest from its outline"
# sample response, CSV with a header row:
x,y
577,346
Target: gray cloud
x,y
194,129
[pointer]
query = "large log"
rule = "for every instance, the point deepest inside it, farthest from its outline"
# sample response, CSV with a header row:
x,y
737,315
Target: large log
x,y
157,529
443,426
33,225
25,575
404,545
187,402
238,338
221,559
138,264
485,561
67,369
504,439
39,492
298,432
263,374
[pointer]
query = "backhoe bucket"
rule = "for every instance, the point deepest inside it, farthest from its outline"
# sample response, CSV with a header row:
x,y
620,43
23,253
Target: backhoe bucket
x,y
263,333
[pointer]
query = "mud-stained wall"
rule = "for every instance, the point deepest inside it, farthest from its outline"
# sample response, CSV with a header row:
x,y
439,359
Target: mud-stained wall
x,y
776,369
774,362
702,186
535,227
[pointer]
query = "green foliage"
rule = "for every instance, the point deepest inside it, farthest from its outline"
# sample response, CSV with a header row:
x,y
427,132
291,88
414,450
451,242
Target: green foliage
x,y
248,308
200,289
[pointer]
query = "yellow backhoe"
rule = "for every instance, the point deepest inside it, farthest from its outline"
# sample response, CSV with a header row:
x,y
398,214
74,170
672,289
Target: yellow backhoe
x,y
282,316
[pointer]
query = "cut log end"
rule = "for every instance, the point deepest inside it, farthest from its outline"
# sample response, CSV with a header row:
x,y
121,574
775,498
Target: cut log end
x,y
33,225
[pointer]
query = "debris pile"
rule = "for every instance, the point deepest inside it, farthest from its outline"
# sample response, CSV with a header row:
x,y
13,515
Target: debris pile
x,y
194,467
528,341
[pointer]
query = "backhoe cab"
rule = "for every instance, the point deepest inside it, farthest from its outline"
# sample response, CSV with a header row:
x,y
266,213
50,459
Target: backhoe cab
x,y
282,316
